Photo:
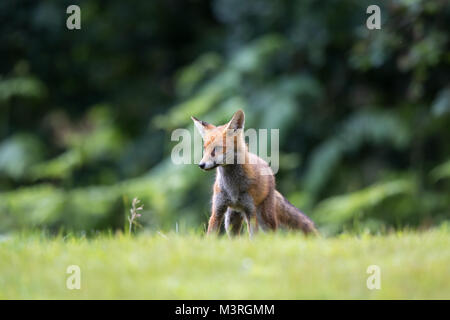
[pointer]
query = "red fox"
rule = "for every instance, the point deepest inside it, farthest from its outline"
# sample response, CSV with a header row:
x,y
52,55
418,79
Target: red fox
x,y
245,185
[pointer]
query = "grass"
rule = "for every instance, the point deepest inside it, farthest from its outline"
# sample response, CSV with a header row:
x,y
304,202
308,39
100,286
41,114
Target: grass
x,y
272,266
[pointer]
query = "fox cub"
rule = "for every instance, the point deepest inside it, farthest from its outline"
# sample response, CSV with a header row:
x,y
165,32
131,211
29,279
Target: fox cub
x,y
245,185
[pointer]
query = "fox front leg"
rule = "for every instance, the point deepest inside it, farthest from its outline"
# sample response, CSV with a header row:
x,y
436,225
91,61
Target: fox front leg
x,y
217,214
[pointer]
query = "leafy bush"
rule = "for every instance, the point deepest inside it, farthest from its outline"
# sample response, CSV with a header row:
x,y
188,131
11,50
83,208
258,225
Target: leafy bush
x,y
86,116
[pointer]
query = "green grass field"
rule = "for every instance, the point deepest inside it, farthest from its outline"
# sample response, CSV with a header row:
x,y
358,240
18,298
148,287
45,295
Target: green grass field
x,y
272,266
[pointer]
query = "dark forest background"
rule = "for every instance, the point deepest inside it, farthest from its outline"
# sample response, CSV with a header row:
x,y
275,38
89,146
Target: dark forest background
x,y
86,115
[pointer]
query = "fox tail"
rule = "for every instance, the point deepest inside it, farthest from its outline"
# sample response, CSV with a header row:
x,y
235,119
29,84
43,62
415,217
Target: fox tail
x,y
292,218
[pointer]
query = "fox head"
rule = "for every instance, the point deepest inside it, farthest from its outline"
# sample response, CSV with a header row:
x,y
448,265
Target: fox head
x,y
222,144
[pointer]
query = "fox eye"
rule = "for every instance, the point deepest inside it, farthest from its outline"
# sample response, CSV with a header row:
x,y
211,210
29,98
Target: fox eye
x,y
216,149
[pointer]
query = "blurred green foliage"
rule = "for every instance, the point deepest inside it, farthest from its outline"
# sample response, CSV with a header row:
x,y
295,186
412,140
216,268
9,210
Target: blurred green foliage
x,y
86,116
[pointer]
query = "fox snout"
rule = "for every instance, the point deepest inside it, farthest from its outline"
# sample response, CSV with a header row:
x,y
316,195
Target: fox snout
x,y
207,165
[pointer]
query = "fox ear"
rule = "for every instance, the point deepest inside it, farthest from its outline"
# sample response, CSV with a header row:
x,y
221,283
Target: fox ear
x,y
237,122
202,126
